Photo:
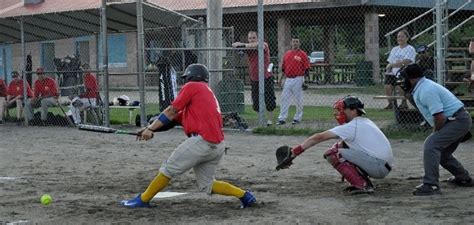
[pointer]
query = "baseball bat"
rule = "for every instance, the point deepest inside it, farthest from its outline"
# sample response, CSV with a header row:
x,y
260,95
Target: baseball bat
x,y
101,129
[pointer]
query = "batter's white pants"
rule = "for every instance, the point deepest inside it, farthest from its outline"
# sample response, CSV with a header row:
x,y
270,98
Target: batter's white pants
x,y
292,89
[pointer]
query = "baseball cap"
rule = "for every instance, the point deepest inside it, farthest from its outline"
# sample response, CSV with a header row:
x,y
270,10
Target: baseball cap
x,y
15,73
40,70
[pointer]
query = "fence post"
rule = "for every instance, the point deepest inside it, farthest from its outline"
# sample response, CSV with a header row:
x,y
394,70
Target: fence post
x,y
105,61
140,58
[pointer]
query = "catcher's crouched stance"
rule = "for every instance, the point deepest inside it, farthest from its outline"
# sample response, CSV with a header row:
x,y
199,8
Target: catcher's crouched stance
x,y
197,110
363,152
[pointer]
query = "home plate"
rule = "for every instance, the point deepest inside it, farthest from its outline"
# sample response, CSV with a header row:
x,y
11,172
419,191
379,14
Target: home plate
x,y
168,194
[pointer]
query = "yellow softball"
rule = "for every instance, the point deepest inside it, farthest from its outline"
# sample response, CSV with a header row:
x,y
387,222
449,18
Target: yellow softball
x,y
46,199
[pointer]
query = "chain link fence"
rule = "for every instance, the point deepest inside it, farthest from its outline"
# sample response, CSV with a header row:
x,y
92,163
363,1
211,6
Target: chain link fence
x,y
314,54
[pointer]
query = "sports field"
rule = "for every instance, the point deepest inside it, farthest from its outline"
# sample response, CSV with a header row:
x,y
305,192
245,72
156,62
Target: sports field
x,y
88,174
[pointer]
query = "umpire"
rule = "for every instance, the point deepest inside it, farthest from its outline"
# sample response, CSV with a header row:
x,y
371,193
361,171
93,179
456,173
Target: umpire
x,y
451,125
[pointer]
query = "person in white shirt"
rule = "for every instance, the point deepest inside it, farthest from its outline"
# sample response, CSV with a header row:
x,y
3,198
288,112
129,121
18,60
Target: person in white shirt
x,y
363,152
401,55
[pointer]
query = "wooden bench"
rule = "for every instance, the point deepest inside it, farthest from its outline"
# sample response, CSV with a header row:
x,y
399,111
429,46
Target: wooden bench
x,y
130,111
402,115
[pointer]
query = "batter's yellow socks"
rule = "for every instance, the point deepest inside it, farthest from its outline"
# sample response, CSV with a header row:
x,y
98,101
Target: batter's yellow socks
x,y
224,188
155,186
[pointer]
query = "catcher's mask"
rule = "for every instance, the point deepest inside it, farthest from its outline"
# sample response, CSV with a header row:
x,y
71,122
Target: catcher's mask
x,y
351,102
196,72
406,73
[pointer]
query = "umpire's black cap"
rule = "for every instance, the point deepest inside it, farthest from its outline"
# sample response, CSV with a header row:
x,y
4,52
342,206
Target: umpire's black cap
x,y
196,72
411,71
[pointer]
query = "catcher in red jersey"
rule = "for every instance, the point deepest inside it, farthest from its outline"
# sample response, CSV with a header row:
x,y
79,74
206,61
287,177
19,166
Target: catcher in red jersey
x,y
197,110
363,152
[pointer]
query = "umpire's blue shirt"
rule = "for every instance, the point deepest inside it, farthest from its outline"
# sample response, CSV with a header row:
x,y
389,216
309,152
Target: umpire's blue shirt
x,y
432,98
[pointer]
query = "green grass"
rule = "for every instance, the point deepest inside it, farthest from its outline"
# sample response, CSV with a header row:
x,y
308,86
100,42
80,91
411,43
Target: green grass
x,y
371,90
319,113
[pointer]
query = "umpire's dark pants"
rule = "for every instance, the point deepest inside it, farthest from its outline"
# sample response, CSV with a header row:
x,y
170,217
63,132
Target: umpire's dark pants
x,y
440,145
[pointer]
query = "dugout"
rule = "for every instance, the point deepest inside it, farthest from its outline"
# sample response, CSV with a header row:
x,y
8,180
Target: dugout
x,y
47,29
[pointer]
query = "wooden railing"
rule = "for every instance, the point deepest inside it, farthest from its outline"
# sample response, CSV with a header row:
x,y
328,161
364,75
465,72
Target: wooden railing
x,y
320,73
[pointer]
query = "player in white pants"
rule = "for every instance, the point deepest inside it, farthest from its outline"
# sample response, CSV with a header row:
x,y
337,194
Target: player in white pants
x,y
80,104
295,65
292,89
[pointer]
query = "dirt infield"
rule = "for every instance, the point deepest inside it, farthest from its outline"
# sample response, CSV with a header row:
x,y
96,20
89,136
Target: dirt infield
x,y
88,174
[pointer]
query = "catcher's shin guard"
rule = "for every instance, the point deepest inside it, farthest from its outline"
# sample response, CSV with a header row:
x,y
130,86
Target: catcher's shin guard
x,y
345,168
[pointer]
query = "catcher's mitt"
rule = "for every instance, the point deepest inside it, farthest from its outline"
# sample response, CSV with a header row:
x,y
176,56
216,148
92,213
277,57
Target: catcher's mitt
x,y
284,159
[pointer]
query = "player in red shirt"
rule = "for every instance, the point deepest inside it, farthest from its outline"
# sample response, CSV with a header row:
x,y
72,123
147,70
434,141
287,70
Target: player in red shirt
x,y
3,97
295,65
45,95
269,83
88,98
15,95
197,110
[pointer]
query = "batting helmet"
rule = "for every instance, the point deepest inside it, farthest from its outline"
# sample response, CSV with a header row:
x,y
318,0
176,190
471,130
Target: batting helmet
x,y
196,72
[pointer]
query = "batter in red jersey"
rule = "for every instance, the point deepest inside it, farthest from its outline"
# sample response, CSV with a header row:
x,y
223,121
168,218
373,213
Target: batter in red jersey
x,y
197,110
295,65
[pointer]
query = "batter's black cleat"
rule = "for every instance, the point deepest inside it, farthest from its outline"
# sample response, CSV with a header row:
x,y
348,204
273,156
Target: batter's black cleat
x,y
135,203
427,189
460,182
247,200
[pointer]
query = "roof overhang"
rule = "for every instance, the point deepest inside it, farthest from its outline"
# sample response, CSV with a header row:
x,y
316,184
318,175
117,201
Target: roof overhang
x,y
55,25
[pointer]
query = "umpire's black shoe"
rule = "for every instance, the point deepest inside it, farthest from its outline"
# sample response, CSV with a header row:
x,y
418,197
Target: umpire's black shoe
x,y
460,182
427,189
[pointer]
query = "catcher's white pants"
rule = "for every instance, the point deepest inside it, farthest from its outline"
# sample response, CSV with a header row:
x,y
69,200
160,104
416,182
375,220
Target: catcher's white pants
x,y
76,111
292,89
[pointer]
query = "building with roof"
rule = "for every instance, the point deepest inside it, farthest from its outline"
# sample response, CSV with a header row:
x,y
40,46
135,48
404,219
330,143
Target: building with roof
x,y
364,22
62,28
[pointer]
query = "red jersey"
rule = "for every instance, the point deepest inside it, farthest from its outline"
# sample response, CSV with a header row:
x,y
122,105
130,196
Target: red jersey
x,y
295,63
3,88
90,84
46,88
253,62
200,111
15,88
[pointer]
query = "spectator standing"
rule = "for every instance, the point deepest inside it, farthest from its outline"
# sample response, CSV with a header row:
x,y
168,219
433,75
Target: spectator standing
x,y
269,83
295,64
